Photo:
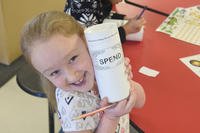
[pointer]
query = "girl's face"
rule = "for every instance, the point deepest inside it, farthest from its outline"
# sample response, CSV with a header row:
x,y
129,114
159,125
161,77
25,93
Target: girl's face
x,y
65,61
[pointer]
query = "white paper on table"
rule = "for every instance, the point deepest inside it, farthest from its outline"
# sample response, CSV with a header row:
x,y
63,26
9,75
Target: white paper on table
x,y
187,62
189,28
148,71
171,23
183,24
189,33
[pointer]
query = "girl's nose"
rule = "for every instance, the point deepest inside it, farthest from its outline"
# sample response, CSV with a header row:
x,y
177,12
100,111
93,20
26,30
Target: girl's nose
x,y
71,75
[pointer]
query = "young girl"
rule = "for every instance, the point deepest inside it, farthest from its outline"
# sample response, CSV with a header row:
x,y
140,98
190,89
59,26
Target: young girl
x,y
91,12
53,42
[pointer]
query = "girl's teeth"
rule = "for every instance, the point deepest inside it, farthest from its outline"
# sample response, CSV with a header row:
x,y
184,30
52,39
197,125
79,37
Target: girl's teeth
x,y
78,82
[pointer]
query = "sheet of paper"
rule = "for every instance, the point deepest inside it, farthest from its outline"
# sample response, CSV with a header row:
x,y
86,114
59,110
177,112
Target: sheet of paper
x,y
171,23
193,63
183,24
189,28
188,33
148,71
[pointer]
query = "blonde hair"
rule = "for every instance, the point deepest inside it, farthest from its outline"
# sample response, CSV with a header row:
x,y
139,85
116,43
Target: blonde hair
x,y
41,28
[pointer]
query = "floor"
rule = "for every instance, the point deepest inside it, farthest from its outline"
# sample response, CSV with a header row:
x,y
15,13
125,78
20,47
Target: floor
x,y
21,112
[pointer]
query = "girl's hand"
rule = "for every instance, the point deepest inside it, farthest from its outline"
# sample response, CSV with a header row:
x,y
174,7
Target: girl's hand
x,y
135,86
128,68
119,108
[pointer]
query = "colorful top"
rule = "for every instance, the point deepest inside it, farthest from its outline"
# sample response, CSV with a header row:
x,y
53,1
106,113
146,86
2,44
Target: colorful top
x,y
74,103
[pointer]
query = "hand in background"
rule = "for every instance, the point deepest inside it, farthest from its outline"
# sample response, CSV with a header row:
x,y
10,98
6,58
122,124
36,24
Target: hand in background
x,y
134,25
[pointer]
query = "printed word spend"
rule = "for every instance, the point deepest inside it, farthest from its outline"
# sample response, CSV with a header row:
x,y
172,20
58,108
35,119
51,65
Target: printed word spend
x,y
110,59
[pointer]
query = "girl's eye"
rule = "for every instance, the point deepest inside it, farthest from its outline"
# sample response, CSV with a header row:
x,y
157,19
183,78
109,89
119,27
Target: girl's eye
x,y
54,73
73,59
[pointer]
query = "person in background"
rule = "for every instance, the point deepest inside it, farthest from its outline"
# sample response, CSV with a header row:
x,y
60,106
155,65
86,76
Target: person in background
x,y
54,44
91,12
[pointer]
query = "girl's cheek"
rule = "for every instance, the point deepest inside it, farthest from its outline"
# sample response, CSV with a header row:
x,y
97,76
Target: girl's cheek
x,y
58,82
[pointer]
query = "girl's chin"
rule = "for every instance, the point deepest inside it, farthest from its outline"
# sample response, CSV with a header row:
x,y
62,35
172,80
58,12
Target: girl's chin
x,y
84,88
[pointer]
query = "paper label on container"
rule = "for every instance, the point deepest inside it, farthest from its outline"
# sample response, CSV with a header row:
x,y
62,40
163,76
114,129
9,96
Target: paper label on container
x,y
107,58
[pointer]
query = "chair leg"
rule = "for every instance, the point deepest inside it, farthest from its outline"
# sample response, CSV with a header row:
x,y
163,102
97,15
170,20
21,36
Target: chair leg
x,y
138,129
51,120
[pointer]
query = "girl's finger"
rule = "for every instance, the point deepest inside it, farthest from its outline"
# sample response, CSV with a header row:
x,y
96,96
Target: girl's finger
x,y
104,102
131,100
126,61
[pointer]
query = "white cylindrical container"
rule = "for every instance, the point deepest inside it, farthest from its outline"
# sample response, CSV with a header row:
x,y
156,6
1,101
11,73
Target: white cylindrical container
x,y
108,60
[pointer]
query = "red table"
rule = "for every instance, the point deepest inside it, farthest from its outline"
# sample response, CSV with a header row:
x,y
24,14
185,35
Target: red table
x,y
166,6
172,98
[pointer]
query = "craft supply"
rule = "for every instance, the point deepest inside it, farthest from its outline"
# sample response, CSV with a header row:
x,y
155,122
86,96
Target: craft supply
x,y
142,12
93,112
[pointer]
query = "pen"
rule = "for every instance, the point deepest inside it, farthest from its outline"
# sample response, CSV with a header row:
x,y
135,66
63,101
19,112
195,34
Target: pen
x,y
141,13
92,113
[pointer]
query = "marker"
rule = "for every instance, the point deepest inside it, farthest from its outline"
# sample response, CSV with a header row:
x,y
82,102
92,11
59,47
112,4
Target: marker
x,y
141,13
92,113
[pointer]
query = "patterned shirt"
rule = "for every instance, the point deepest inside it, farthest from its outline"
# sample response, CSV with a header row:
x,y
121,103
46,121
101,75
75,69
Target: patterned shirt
x,y
74,103
87,12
